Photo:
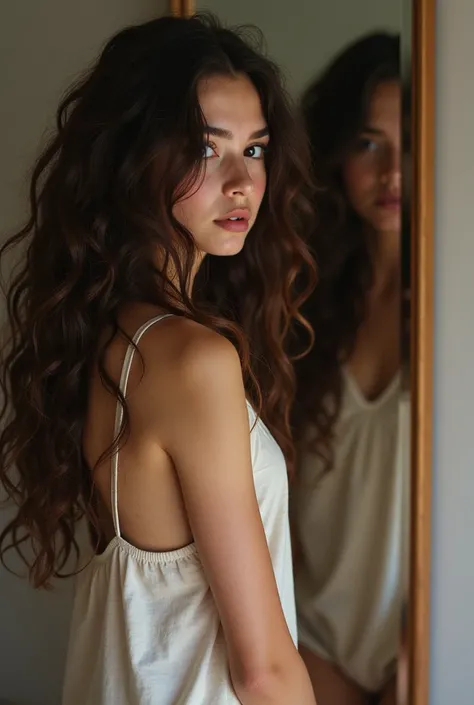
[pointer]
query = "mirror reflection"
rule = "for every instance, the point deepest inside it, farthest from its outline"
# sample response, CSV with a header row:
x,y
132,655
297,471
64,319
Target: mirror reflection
x,y
348,495
349,498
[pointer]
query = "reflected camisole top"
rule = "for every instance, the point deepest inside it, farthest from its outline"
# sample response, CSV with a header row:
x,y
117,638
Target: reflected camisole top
x,y
145,629
351,523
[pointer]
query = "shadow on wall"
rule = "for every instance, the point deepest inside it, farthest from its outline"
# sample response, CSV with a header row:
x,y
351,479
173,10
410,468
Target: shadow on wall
x,y
34,635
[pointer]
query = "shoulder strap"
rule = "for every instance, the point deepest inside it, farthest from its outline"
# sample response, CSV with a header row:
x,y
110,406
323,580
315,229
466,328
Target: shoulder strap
x,y
127,365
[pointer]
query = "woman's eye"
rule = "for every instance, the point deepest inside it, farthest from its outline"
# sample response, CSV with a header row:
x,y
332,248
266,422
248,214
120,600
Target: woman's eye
x,y
208,151
365,144
256,151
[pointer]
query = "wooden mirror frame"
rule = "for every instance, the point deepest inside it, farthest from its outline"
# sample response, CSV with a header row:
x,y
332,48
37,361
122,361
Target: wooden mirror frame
x,y
417,638
422,341
181,8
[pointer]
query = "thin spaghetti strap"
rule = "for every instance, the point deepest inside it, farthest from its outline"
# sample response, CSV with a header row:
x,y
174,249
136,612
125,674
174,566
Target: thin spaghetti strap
x,y
127,365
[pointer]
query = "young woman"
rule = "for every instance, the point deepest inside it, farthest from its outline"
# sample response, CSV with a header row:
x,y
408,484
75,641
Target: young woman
x,y
153,402
348,502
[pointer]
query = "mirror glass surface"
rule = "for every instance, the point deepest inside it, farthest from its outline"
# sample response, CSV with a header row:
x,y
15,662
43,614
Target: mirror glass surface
x,y
343,63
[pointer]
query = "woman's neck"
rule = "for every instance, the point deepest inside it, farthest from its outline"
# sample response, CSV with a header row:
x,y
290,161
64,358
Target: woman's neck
x,y
172,278
386,262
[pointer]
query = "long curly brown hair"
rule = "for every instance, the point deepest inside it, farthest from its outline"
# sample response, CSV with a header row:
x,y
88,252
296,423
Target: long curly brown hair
x,y
334,108
128,146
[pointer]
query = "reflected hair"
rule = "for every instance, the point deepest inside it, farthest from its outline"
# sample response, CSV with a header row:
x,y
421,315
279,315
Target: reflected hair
x,y
334,109
128,145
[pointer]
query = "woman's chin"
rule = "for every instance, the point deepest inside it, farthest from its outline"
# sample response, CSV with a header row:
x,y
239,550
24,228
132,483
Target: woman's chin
x,y
388,223
230,245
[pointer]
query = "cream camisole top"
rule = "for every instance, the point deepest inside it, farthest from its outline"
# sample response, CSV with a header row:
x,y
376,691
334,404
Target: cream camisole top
x,y
145,629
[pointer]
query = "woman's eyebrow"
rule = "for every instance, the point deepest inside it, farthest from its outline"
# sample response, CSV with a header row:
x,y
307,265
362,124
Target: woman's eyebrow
x,y
371,130
228,135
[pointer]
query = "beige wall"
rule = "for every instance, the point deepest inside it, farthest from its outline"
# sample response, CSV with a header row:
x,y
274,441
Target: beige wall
x,y
302,35
43,44
452,664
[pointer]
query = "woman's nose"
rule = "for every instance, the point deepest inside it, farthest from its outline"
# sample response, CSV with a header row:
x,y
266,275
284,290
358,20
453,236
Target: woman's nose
x,y
238,181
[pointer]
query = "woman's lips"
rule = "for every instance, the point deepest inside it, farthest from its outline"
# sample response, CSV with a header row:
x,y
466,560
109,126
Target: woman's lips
x,y
390,202
233,226
236,221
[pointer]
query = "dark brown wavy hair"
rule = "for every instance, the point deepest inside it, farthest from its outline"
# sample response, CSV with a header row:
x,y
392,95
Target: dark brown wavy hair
x,y
127,147
334,108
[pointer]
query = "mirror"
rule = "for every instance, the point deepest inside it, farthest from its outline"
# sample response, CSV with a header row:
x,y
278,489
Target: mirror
x,y
361,73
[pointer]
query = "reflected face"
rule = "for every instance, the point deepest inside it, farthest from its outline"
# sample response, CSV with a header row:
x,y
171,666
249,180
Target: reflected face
x,y
371,172
221,212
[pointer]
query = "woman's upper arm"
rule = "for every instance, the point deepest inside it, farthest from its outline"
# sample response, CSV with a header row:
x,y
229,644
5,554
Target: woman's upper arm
x,y
207,435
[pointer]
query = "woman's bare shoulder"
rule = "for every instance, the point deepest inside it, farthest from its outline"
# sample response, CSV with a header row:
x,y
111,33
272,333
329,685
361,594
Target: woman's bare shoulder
x,y
177,353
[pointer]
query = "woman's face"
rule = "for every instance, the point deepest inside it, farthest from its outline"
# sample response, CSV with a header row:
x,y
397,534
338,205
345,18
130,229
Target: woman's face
x,y
221,212
371,173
